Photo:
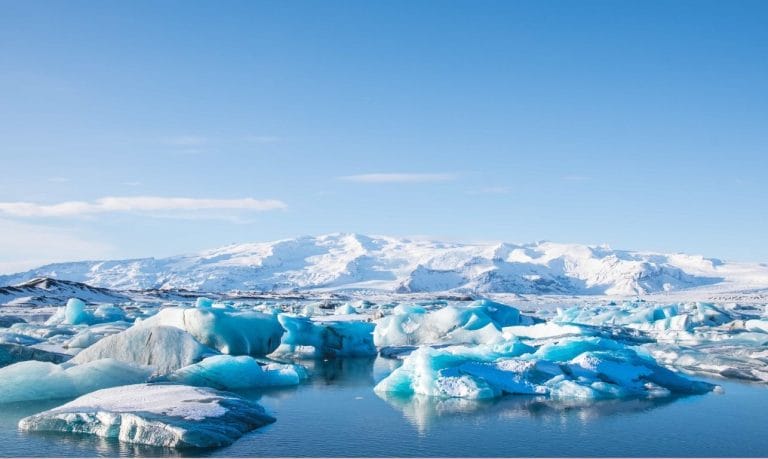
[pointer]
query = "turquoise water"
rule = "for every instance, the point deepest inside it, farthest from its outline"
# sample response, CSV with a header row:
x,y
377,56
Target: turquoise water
x,y
337,414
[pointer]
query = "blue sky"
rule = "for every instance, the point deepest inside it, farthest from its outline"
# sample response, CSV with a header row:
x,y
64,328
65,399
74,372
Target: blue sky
x,y
637,124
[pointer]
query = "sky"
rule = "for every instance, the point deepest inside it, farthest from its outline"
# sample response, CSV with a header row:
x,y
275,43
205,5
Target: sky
x,y
134,129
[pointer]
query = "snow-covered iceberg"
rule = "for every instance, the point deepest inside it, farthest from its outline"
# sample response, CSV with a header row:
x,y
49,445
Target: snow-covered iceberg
x,y
173,416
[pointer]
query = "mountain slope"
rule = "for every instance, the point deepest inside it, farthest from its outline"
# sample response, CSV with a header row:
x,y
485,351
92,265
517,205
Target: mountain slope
x,y
353,261
46,291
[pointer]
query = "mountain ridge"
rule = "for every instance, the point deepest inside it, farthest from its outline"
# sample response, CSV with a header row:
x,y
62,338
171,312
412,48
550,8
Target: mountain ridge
x,y
343,261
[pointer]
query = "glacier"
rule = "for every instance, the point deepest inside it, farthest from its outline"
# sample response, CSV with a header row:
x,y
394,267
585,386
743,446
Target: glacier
x,y
175,416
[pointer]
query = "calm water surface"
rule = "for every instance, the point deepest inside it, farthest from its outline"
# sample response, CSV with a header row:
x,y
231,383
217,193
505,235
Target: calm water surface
x,y
337,414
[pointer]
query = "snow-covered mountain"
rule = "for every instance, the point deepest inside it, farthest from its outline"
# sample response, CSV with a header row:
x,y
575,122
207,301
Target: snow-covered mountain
x,y
353,261
46,292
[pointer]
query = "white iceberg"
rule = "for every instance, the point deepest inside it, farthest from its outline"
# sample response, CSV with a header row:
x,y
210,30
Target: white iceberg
x,y
173,416
234,333
478,323
164,348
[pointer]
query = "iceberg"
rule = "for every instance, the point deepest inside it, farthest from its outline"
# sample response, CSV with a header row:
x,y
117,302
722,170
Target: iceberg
x,y
228,372
575,367
166,349
33,380
174,416
305,338
234,333
75,313
473,324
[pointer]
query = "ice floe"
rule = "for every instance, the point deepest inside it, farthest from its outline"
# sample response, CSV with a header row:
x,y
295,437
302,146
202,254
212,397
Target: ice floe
x,y
161,415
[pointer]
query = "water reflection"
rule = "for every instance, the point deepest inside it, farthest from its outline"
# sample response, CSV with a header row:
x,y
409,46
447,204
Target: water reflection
x,y
349,371
426,412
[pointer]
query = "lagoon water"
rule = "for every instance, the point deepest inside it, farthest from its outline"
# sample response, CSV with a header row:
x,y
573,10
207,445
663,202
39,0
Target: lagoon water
x,y
338,414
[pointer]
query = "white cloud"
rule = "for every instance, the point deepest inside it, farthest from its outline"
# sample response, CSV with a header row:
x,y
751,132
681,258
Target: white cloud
x,y
398,178
135,204
25,246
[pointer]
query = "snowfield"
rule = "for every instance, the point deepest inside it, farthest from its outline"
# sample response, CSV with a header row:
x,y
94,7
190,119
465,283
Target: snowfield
x,y
345,262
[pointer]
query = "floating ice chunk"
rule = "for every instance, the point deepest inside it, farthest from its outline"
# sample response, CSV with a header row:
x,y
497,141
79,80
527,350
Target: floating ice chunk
x,y
501,314
305,338
449,325
17,338
433,372
203,302
164,348
108,313
94,334
546,330
235,333
14,353
513,376
75,313
34,380
345,309
565,349
601,368
173,416
227,372
757,325
7,321
632,373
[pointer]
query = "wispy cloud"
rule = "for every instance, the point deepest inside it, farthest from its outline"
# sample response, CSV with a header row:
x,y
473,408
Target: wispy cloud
x,y
262,139
493,190
398,178
186,140
577,178
135,204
